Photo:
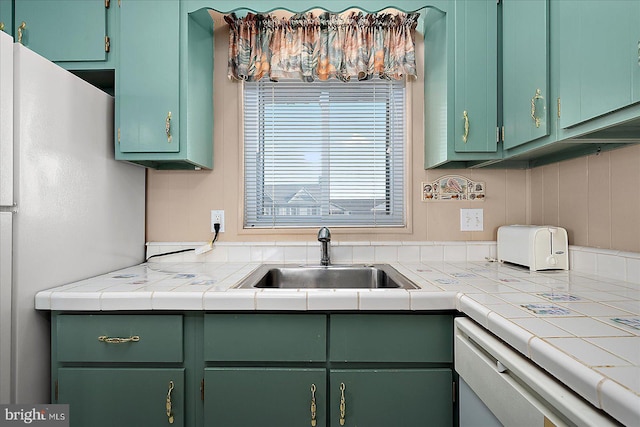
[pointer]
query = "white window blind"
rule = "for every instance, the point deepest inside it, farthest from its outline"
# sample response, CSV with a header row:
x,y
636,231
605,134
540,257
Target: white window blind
x,y
324,153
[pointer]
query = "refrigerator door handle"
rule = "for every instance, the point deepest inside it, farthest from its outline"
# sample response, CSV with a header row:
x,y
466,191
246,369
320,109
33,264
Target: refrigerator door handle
x,y
11,208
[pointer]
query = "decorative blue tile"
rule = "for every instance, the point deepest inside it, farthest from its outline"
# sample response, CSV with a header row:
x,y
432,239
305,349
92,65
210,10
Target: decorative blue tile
x,y
203,282
463,275
447,281
184,276
554,296
547,309
633,322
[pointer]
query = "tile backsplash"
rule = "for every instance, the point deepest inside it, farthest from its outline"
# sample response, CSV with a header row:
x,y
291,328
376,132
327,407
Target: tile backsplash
x,y
610,264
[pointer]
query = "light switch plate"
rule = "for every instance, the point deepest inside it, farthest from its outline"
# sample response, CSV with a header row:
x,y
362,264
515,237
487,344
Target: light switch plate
x,y
471,220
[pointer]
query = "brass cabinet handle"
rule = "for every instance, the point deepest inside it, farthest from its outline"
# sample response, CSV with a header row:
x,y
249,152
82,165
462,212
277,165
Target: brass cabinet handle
x,y
343,404
535,118
313,405
21,28
169,406
465,137
118,340
167,126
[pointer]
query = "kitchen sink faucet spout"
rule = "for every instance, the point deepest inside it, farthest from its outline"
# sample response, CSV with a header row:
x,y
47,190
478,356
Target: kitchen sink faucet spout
x,y
324,237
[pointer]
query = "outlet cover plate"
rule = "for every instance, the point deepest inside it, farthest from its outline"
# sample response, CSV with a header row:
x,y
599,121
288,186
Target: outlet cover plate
x,y
217,216
471,220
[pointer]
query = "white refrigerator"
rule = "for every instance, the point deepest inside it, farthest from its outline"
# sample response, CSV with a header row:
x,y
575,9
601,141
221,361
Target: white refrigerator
x,y
68,210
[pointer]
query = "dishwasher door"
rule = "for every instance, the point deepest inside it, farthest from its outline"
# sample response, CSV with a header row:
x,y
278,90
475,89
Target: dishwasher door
x,y
515,391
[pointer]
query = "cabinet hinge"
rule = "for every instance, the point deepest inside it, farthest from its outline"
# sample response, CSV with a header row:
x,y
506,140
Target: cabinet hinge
x,y
107,44
107,3
502,134
202,389
118,135
119,3
56,391
558,107
498,134
453,397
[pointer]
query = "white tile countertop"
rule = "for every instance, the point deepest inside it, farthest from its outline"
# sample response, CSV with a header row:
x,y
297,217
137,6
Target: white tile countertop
x,y
582,328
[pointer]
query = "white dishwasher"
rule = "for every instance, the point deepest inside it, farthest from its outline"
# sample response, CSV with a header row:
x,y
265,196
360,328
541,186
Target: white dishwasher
x,y
499,386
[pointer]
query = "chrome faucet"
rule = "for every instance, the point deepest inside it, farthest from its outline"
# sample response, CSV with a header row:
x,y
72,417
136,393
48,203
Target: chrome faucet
x,y
324,237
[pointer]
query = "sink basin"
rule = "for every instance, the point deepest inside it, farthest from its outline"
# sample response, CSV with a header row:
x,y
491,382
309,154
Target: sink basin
x,y
380,276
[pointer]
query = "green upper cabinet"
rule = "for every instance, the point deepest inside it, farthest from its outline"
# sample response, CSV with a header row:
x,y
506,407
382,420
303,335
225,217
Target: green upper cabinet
x,y
525,68
164,86
460,84
148,84
599,70
476,81
63,30
6,16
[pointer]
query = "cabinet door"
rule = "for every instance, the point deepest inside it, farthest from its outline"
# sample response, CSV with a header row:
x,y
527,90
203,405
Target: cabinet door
x,y
6,16
240,397
476,76
525,64
147,85
598,46
63,30
391,397
107,397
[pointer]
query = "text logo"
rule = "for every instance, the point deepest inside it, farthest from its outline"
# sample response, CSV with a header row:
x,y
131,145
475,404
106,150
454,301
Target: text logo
x,y
34,415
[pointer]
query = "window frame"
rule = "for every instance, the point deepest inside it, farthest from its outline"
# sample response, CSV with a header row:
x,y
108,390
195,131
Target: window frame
x,y
404,227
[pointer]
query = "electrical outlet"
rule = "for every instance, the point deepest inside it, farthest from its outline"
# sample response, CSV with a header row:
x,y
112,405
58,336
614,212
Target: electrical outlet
x,y
471,220
217,217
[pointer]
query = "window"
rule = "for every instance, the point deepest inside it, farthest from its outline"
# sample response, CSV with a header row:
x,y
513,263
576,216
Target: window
x,y
324,153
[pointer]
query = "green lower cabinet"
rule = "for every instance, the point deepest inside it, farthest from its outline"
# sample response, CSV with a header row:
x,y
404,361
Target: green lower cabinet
x,y
123,397
282,397
391,397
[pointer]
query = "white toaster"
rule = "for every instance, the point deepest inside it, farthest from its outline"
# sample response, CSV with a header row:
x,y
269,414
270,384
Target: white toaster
x,y
534,246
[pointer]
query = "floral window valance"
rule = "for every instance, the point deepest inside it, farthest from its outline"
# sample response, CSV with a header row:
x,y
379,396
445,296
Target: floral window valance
x,y
344,46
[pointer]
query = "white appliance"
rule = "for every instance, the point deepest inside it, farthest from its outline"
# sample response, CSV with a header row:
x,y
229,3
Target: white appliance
x,y
534,246
499,386
68,210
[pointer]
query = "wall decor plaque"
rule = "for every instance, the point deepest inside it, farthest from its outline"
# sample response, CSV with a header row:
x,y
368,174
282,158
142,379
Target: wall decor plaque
x,y
453,188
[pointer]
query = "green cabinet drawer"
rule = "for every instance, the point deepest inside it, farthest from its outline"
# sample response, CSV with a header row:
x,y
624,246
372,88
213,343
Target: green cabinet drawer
x,y
107,338
391,397
264,337
126,397
239,397
390,338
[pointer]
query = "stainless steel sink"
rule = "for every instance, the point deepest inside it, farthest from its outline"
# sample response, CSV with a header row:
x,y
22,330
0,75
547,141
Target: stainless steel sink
x,y
379,276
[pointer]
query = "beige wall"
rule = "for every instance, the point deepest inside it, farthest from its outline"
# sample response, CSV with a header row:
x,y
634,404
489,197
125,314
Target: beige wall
x,y
596,198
